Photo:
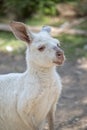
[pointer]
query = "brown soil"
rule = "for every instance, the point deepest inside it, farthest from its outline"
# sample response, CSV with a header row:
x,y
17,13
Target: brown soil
x,y
71,111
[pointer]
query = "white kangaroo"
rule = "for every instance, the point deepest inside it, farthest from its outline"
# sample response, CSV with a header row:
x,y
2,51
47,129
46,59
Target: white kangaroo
x,y
28,99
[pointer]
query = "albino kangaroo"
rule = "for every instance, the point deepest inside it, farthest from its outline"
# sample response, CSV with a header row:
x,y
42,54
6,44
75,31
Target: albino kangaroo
x,y
28,99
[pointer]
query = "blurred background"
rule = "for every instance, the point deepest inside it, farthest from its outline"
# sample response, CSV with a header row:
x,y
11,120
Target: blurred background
x,y
68,19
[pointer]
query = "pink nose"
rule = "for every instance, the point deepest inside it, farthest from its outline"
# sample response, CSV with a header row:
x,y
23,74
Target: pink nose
x,y
59,53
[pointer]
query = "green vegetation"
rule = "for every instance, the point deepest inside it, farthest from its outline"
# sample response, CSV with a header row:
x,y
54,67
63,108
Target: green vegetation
x,y
82,26
38,21
8,43
18,9
73,46
44,20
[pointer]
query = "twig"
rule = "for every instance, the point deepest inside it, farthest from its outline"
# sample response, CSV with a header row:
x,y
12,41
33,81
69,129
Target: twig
x,y
64,28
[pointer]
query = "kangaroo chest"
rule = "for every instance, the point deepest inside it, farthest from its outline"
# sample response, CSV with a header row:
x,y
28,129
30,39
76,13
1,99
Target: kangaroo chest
x,y
43,102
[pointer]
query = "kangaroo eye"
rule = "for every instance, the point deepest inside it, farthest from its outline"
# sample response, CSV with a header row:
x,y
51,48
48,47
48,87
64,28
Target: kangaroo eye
x,y
41,48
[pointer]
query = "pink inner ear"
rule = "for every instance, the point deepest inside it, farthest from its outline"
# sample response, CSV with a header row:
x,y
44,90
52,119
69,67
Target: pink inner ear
x,y
19,29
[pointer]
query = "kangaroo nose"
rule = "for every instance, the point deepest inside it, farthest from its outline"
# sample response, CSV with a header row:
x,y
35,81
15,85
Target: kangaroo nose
x,y
59,53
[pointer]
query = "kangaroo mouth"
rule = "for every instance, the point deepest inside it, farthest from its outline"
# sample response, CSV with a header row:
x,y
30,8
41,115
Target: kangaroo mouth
x,y
59,61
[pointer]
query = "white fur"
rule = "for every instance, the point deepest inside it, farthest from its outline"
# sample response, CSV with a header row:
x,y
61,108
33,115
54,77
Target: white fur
x,y
27,98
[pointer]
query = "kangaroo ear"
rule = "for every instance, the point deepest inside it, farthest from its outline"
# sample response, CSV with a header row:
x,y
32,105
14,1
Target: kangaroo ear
x,y
46,28
21,32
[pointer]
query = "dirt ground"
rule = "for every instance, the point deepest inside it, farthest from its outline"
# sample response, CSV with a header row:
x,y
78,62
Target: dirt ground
x,y
71,111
